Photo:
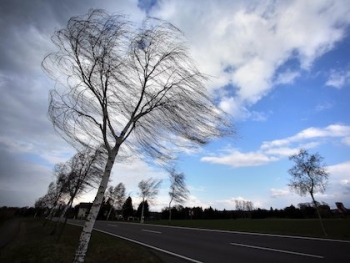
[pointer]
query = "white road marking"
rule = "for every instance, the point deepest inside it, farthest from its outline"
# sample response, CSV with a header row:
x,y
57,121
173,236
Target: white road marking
x,y
151,231
113,225
277,250
249,233
146,245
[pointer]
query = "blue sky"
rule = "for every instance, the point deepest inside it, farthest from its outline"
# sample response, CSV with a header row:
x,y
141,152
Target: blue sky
x,y
280,68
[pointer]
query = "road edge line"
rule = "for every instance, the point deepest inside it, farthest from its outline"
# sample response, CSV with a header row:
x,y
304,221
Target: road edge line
x,y
149,246
277,250
250,233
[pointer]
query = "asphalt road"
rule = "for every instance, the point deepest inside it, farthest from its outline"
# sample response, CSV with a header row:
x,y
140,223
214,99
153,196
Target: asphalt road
x,y
198,245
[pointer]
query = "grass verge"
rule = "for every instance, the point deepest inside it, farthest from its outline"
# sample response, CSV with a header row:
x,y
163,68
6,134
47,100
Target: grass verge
x,y
35,244
336,228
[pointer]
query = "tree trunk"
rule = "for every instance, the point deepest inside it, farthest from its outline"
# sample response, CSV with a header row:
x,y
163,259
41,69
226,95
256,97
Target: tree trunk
x,y
142,211
109,213
91,218
50,215
319,214
170,210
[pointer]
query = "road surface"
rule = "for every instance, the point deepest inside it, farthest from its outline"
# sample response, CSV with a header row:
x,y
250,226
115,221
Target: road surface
x,y
199,245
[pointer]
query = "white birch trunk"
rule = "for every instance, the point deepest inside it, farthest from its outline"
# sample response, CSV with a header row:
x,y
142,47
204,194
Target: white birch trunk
x,y
65,210
318,214
91,218
109,213
142,211
170,209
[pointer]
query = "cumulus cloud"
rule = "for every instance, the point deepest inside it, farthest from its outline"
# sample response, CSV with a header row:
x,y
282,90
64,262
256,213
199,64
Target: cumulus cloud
x,y
272,151
338,79
279,192
238,159
249,46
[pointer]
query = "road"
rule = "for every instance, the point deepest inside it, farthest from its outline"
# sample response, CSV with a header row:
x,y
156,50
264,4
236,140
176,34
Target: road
x,y
199,245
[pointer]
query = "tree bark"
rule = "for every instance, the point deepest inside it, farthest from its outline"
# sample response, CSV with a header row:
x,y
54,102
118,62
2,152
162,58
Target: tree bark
x,y
170,210
91,218
318,214
142,211
109,213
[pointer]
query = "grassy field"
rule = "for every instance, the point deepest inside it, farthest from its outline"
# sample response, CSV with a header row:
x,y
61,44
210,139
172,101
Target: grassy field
x,y
34,245
336,228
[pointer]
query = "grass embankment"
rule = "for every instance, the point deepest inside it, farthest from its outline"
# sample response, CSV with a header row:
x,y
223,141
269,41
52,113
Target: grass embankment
x,y
35,244
336,228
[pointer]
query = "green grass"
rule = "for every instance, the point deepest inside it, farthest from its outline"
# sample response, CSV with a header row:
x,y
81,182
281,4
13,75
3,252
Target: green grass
x,y
336,228
34,244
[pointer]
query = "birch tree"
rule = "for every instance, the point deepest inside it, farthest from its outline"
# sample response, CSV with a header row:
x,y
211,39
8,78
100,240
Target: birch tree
x,y
116,196
178,190
148,190
309,176
56,190
85,171
131,90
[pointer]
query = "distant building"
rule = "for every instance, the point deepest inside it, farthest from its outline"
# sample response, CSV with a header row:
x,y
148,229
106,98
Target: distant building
x,y
341,208
83,210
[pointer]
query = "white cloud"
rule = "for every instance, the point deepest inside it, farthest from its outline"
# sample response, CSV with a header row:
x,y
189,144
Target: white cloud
x,y
287,77
271,151
279,192
254,40
331,131
324,106
238,159
338,79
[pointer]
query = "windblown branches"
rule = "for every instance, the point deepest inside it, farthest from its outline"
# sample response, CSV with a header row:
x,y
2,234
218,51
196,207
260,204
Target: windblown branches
x,y
148,189
178,190
309,174
128,91
137,87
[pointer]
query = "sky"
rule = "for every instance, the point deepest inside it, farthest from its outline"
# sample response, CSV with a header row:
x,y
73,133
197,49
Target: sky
x,y
281,69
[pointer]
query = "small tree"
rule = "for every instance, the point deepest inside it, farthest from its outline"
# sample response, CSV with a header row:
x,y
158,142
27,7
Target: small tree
x,y
309,176
145,207
57,190
116,197
178,190
127,89
128,209
84,171
148,191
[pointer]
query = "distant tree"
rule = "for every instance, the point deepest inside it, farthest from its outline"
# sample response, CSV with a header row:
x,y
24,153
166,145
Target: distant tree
x,y
148,190
56,190
309,176
145,207
243,206
126,89
84,171
178,190
116,197
128,209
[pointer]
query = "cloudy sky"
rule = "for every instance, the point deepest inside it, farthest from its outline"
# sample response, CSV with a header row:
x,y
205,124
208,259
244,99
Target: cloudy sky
x,y
280,68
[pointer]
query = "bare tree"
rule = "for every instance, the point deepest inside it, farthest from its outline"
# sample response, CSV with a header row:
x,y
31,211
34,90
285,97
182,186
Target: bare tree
x,y
116,196
57,190
309,176
148,191
129,90
178,190
85,171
